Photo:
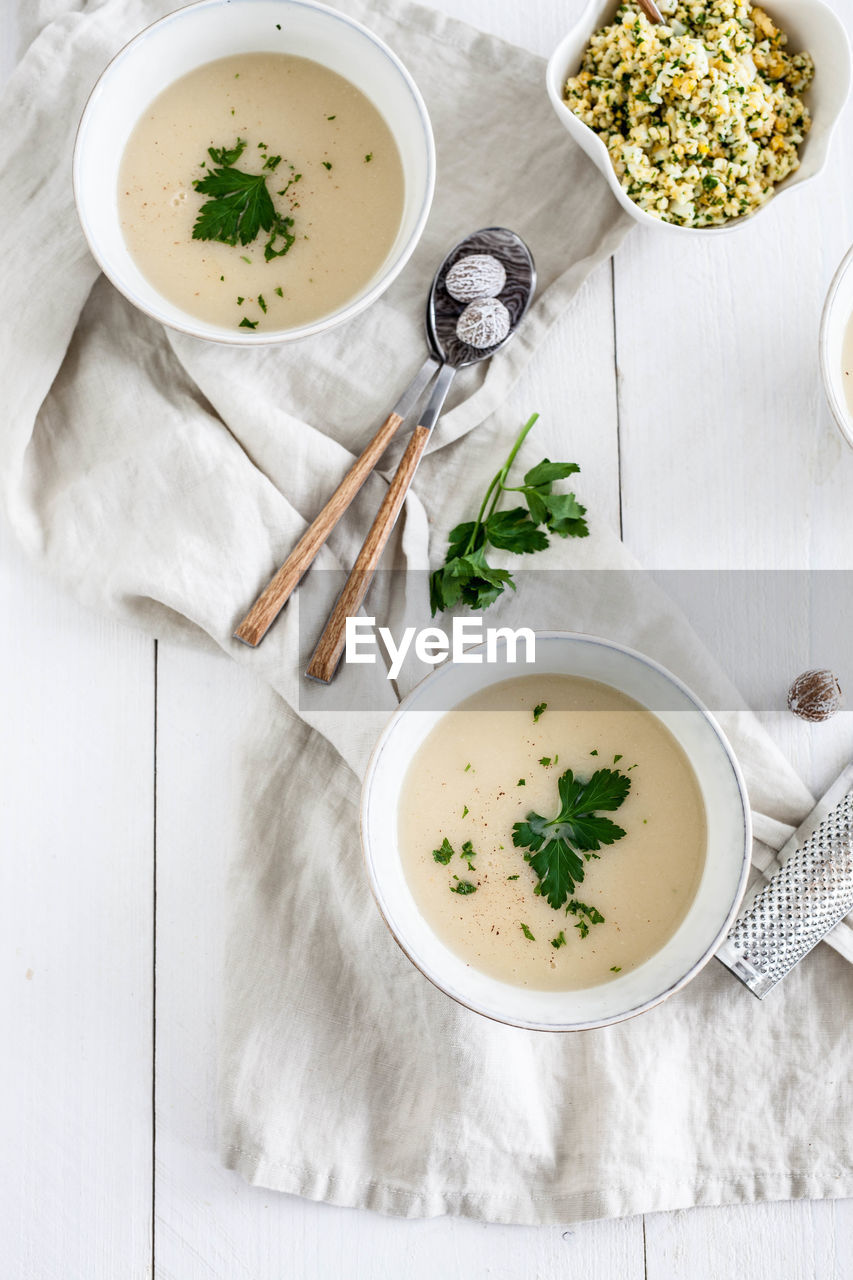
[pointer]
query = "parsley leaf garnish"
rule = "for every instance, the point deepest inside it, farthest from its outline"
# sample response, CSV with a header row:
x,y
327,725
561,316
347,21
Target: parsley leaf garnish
x,y
527,933
226,156
468,854
262,303
580,909
556,845
539,710
246,323
466,577
444,853
240,206
559,941
463,886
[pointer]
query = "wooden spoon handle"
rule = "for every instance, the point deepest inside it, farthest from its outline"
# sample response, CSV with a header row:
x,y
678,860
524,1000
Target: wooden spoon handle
x,y
330,646
272,600
651,10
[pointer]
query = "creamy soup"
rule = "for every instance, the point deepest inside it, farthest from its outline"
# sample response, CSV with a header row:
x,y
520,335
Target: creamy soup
x,y
329,162
490,763
847,363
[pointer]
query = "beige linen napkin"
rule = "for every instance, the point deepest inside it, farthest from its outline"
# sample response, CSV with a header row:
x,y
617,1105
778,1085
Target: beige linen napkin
x,y
164,479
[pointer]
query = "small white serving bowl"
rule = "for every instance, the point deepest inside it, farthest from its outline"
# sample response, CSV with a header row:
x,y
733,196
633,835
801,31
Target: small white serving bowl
x,y
726,864
201,33
837,310
809,24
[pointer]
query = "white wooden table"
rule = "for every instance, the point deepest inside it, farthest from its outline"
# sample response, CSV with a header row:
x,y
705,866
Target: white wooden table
x,y
696,412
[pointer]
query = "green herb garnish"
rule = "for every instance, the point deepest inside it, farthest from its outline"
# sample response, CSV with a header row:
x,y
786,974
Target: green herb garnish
x,y
539,710
465,811
556,844
279,291
462,886
246,323
527,933
545,761
262,303
227,156
466,577
325,164
616,968
444,853
522,782
559,941
240,206
368,157
580,909
467,767
512,877
272,162
468,854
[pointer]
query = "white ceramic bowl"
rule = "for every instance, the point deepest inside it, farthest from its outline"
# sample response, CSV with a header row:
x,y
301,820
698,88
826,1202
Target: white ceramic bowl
x,y
726,864
810,25
200,33
837,311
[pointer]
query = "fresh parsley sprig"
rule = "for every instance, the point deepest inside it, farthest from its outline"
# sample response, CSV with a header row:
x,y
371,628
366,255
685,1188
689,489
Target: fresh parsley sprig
x,y
466,577
240,206
559,846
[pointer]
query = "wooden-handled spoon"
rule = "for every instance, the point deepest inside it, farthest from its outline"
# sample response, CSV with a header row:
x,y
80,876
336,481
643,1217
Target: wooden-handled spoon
x,y
330,646
442,314
274,597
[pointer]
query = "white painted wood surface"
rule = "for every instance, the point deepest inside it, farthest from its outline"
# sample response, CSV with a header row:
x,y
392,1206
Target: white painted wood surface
x,y
716,451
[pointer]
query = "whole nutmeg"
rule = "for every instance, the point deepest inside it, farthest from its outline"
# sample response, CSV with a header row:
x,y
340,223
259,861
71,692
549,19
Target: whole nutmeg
x,y
815,695
484,323
479,275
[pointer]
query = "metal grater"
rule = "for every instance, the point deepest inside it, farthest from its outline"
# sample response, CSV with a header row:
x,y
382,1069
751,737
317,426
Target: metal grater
x,y
810,893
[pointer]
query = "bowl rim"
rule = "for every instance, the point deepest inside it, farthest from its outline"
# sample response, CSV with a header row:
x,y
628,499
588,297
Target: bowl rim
x,y
573,124
182,322
839,410
746,855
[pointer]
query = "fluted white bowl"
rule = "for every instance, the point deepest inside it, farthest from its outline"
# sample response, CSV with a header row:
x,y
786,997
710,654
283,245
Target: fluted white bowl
x,y
809,24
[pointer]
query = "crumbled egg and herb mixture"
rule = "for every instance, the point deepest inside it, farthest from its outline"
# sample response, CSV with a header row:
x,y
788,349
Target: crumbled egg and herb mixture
x,y
701,116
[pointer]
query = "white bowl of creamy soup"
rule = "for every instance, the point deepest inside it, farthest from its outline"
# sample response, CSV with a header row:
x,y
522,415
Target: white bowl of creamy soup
x,y
836,347
254,172
561,845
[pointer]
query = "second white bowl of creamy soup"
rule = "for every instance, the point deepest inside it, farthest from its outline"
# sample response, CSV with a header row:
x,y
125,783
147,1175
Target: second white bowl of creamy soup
x,y
836,347
254,172
557,846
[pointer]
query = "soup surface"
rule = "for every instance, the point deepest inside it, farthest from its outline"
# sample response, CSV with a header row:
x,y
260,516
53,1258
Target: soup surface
x,y
847,363
329,162
489,764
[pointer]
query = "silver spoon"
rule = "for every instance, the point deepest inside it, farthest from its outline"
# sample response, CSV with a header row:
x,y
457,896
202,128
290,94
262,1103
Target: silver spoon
x,y
443,312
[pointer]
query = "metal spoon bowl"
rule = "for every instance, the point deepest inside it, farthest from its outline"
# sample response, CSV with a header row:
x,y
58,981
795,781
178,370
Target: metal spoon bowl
x,y
443,311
